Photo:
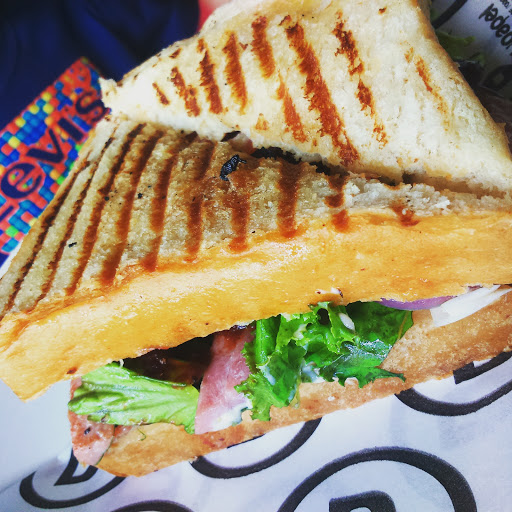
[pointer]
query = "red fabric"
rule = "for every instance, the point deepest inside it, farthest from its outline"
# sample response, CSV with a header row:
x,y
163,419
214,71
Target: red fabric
x,y
206,7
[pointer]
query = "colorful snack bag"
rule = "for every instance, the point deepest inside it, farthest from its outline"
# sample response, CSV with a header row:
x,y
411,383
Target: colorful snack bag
x,y
38,148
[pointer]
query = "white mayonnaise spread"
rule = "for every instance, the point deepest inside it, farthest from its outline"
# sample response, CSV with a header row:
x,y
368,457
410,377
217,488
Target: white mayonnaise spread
x,y
231,417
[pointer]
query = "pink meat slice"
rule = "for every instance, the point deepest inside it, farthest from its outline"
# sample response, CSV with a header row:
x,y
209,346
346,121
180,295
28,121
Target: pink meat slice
x,y
219,403
218,407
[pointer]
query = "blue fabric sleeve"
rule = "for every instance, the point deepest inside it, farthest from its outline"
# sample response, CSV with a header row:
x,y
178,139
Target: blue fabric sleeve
x,y
39,40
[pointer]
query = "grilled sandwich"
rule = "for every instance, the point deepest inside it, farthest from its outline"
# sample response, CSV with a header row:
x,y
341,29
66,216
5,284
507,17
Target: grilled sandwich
x,y
365,85
170,231
145,232
146,247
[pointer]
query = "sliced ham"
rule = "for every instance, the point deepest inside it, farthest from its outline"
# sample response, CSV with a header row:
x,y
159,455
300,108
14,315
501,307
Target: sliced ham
x,y
220,405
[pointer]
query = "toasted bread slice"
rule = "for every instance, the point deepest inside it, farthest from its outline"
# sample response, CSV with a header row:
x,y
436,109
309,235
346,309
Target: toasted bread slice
x,y
145,246
423,353
364,85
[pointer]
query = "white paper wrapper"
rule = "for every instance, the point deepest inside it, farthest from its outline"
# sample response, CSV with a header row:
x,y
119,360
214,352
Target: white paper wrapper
x,y
444,446
490,23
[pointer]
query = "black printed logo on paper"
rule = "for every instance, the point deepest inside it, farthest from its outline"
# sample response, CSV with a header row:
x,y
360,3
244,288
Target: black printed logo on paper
x,y
67,485
207,468
154,506
453,482
422,403
448,13
374,501
470,371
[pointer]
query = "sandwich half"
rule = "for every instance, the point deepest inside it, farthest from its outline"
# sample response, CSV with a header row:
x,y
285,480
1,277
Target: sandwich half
x,y
185,237
365,85
146,237
146,247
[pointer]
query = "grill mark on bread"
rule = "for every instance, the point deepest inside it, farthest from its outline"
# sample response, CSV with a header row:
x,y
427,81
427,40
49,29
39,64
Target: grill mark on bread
x,y
158,58
337,184
175,53
92,229
162,98
291,117
422,71
70,225
432,88
348,48
122,227
261,47
207,69
238,200
159,203
405,215
264,53
186,92
287,19
365,97
47,222
319,96
340,220
288,186
234,72
195,205
261,123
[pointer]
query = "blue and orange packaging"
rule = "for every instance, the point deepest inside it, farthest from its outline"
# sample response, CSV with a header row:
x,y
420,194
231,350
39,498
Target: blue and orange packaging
x,y
39,147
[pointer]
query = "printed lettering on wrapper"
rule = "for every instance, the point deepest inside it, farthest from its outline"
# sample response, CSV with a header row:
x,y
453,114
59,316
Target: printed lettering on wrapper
x,y
498,23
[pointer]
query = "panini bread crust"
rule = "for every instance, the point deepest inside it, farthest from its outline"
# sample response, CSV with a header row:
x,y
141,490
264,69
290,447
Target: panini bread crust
x,y
366,85
422,354
145,237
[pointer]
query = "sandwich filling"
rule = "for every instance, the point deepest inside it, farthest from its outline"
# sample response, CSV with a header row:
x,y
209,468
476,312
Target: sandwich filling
x,y
206,384
253,367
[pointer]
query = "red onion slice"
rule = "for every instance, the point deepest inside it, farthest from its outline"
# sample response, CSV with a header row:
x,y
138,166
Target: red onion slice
x,y
415,304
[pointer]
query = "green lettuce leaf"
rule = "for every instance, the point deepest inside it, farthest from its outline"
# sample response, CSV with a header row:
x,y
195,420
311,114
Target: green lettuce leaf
x,y
456,47
274,383
117,395
459,48
290,349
